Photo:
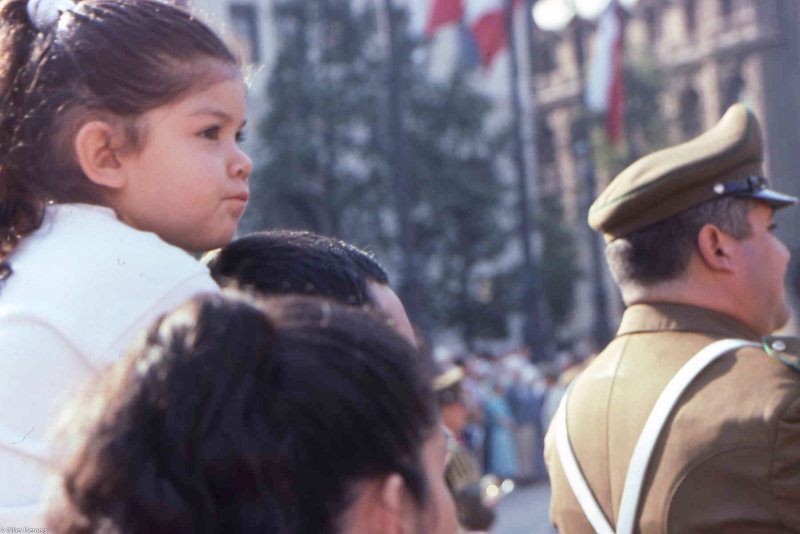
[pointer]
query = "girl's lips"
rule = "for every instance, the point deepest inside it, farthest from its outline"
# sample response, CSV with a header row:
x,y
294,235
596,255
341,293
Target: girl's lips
x,y
242,196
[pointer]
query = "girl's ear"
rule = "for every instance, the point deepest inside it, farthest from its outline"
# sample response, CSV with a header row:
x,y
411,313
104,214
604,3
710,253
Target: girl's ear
x,y
96,146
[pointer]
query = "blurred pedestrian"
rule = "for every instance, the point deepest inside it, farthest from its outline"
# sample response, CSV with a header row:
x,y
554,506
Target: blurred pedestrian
x,y
462,473
501,458
552,396
688,421
526,407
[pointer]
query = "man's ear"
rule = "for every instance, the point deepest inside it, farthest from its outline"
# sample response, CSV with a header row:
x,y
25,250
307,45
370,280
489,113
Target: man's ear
x,y
394,503
380,507
716,248
96,146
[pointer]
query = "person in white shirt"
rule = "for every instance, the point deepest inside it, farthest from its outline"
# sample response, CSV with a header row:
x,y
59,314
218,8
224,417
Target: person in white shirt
x,y
119,130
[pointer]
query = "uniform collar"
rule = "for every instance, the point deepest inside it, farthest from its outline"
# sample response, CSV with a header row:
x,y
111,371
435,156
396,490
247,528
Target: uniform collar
x,y
659,317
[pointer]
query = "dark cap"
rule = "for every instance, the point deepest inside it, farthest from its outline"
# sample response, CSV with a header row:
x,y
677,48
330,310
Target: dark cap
x,y
726,160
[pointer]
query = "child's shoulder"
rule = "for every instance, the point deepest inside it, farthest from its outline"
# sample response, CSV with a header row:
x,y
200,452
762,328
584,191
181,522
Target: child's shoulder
x,y
91,240
84,267
84,254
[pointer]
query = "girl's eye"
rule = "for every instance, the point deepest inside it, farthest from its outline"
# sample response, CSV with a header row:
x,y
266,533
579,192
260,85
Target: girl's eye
x,y
772,227
211,133
241,136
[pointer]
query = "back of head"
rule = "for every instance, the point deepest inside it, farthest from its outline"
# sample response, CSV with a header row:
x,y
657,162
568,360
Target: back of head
x,y
232,417
95,59
651,213
287,262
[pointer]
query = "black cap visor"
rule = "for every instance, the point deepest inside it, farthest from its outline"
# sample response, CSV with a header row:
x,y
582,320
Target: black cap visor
x,y
773,198
755,187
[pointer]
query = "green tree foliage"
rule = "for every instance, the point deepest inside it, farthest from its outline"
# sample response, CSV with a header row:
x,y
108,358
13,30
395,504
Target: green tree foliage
x,y
318,134
327,159
458,198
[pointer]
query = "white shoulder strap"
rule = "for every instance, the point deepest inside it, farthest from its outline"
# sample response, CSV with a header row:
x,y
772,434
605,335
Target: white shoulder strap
x,y
643,450
573,472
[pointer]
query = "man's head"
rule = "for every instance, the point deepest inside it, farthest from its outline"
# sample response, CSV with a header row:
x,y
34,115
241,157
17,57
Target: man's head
x,y
285,262
684,221
450,394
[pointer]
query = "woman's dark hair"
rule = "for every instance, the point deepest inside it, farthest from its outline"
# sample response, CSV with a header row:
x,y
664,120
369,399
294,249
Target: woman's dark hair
x,y
237,417
286,262
101,59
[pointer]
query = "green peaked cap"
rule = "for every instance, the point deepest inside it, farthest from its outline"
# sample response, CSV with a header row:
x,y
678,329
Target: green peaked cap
x,y
727,160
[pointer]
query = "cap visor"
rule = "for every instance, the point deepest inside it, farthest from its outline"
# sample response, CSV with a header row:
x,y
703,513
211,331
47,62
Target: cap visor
x,y
445,380
773,198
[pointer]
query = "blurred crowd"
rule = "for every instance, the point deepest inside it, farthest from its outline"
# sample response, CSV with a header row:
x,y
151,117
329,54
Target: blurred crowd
x,y
497,407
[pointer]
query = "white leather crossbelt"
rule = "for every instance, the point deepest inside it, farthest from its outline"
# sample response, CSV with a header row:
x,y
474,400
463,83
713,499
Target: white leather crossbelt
x,y
637,467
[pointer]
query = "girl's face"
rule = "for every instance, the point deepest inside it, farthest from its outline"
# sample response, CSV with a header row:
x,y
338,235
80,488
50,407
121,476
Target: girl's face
x,y
188,181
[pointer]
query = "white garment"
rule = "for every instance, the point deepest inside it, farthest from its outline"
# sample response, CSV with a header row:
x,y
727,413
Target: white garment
x,y
83,286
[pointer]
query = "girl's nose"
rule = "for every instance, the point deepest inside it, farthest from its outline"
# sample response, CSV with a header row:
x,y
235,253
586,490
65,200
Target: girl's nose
x,y
241,166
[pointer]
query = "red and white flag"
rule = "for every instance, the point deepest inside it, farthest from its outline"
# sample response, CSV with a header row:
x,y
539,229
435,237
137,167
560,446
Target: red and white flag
x,y
605,91
487,21
442,13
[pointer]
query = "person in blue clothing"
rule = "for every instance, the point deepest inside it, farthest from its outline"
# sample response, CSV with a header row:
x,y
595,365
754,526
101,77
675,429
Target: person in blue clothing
x,y
526,406
501,447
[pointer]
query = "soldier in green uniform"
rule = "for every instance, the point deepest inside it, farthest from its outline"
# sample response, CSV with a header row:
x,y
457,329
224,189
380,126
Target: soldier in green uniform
x,y
671,429
462,473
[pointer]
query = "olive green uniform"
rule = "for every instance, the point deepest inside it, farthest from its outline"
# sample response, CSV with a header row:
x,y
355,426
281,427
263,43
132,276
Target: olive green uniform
x,y
729,456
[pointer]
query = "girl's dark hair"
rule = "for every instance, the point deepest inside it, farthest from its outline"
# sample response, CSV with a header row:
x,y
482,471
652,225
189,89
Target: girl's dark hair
x,y
102,58
233,417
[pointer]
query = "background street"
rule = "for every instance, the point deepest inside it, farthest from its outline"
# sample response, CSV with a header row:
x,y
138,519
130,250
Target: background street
x,y
525,511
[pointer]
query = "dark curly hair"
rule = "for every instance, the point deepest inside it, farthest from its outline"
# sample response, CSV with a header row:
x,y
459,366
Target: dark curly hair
x,y
237,417
103,58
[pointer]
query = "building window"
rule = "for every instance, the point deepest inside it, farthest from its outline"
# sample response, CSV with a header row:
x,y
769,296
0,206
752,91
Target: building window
x,y
545,144
542,57
726,8
691,116
690,13
245,27
733,91
653,23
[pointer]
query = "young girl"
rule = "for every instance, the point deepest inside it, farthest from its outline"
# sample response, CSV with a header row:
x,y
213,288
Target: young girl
x,y
119,123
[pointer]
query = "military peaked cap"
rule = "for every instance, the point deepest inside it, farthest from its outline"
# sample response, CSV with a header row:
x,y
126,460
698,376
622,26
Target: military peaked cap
x,y
726,160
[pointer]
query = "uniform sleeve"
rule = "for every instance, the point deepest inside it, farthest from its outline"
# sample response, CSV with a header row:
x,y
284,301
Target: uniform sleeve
x,y
180,293
785,472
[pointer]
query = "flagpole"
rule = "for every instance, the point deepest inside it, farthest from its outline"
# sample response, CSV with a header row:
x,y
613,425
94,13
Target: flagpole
x,y
537,331
583,149
410,282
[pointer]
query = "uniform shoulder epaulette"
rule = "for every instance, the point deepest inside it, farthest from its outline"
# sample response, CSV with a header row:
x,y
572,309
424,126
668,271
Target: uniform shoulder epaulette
x,y
783,348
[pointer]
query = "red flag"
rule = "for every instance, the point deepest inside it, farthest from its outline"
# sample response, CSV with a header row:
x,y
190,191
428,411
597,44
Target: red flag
x,y
605,90
443,12
487,21
490,35
615,116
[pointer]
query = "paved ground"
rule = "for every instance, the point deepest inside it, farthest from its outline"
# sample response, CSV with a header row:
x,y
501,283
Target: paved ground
x,y
525,511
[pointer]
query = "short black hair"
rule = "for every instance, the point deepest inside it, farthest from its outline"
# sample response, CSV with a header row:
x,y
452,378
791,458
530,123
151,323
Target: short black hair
x,y
238,416
283,262
661,251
